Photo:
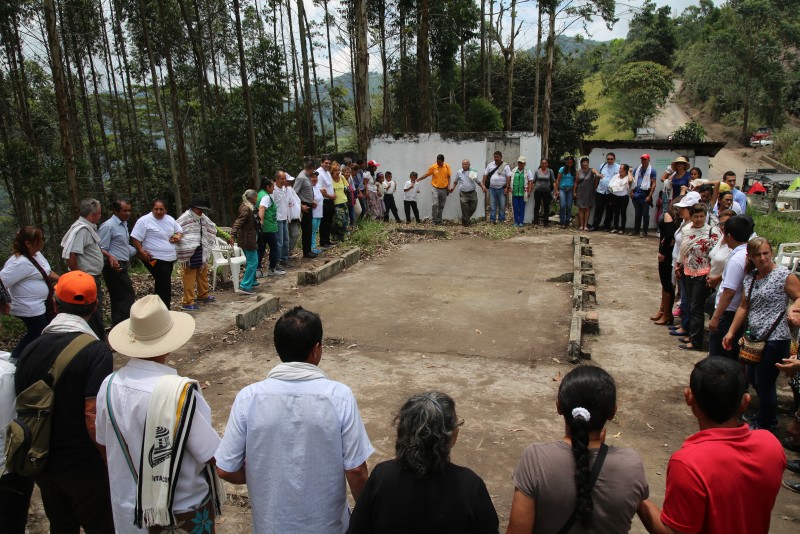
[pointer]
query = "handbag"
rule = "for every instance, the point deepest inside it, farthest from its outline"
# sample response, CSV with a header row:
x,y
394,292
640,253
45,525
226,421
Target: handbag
x,y
750,349
49,302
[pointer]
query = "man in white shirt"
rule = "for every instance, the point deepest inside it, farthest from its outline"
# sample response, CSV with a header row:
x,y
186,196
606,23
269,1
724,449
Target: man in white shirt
x,y
729,292
281,199
15,490
602,196
467,180
126,401
325,181
497,178
295,438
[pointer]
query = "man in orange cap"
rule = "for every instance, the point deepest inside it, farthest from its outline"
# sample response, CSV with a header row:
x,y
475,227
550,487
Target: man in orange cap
x,y
74,482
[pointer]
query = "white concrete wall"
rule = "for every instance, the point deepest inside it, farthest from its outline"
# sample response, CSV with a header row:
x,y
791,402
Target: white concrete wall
x,y
417,152
660,160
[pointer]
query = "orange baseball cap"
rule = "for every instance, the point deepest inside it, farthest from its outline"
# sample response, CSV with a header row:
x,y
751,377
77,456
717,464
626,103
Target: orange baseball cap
x,y
76,287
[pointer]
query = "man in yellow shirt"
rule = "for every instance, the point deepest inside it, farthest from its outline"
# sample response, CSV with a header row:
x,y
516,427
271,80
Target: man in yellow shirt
x,y
440,172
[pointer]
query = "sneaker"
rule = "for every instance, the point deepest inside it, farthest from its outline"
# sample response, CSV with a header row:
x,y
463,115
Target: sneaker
x,y
259,273
276,272
190,307
256,284
209,299
244,291
793,486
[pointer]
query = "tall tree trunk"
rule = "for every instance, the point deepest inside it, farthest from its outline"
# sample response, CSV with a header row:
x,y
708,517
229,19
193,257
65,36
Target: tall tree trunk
x,y
483,50
101,124
489,51
510,65
423,67
316,82
330,72
248,107
386,116
362,77
177,122
537,76
15,186
404,113
297,111
748,84
548,81
463,80
309,115
59,86
161,114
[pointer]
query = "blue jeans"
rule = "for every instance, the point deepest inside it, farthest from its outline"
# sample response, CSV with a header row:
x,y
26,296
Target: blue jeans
x,y
34,327
315,223
565,198
641,212
497,200
518,203
762,377
250,268
283,241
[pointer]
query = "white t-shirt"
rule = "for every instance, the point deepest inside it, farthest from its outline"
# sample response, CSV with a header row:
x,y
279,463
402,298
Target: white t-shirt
x,y
719,257
410,194
154,235
499,178
316,213
25,284
280,198
390,187
131,390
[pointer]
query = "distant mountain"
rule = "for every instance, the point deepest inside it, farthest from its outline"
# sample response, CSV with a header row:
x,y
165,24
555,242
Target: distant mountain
x,y
570,45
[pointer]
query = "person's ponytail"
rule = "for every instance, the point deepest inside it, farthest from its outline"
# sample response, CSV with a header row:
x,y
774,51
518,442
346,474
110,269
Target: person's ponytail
x,y
579,430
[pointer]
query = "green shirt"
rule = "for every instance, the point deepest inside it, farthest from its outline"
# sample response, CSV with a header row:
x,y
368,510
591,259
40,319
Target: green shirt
x,y
270,222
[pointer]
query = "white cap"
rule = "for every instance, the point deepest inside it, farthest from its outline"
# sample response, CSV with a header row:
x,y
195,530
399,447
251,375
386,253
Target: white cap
x,y
691,198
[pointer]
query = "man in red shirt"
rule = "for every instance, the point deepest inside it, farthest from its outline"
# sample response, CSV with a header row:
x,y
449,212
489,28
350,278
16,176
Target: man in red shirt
x,y
725,477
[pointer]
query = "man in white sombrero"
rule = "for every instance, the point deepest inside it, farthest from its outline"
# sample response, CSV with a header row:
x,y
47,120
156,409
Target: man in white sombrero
x,y
156,429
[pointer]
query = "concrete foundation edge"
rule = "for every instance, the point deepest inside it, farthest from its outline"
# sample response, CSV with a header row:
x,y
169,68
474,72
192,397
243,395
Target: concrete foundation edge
x,y
254,314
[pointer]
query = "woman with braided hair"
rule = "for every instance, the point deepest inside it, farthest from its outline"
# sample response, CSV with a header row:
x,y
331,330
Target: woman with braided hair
x,y
421,491
579,484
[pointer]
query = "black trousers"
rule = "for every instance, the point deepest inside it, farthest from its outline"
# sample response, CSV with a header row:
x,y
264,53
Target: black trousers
x,y
327,222
271,239
262,249
96,320
619,206
72,502
306,222
602,204
120,291
715,347
389,203
409,205
162,278
541,201
698,293
15,499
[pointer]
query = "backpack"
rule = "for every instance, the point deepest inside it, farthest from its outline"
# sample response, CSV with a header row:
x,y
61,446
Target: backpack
x,y
28,436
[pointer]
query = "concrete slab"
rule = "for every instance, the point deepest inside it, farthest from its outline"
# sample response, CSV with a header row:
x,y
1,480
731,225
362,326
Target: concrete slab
x,y
321,273
351,257
254,314
470,297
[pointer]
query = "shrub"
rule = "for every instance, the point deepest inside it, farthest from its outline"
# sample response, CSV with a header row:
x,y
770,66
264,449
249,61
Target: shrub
x,y
483,116
690,133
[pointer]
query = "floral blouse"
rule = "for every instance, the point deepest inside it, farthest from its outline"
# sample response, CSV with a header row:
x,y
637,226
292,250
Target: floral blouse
x,y
696,246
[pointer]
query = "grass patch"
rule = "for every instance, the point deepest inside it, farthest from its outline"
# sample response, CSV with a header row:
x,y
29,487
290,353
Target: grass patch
x,y
11,329
494,231
606,129
369,235
776,228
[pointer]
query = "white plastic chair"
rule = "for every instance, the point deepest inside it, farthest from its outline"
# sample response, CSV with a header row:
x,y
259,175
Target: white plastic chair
x,y
789,256
229,259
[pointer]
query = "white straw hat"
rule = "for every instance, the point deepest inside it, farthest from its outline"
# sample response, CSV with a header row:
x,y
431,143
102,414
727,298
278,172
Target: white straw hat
x,y
152,330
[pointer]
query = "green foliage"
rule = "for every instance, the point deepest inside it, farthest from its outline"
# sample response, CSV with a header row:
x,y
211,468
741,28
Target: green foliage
x,y
691,132
652,36
777,228
483,116
605,127
787,146
637,91
451,118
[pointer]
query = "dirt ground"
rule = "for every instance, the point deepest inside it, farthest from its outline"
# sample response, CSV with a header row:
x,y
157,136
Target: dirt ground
x,y
487,322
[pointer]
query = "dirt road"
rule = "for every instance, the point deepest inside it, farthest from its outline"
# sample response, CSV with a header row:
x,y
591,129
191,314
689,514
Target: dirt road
x,y
487,322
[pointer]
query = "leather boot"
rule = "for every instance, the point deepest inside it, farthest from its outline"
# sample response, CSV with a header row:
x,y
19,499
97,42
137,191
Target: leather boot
x,y
666,301
660,313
